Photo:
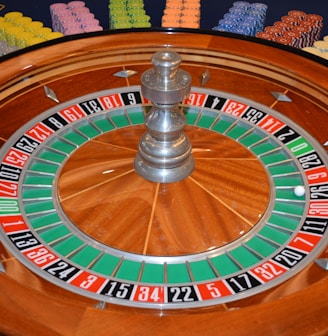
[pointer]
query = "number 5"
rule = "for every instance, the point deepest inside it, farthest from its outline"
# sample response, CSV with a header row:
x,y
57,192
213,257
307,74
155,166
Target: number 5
x,y
213,290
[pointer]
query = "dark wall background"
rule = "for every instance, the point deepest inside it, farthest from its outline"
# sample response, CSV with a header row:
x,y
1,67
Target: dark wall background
x,y
211,10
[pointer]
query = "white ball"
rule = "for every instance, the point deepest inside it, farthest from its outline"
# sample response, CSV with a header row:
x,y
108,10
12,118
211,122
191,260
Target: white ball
x,y
299,191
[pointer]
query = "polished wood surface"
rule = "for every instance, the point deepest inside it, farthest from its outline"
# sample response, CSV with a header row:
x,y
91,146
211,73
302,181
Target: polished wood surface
x,y
109,201
32,306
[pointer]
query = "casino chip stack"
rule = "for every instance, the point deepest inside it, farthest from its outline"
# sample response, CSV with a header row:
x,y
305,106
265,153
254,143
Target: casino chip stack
x,y
181,14
243,18
296,29
319,48
73,18
128,14
18,31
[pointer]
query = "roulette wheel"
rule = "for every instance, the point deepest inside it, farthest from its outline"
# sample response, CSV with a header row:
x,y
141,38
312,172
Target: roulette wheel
x,y
92,244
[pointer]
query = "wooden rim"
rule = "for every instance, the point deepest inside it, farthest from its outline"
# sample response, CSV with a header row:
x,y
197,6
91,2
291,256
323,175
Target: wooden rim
x,y
302,78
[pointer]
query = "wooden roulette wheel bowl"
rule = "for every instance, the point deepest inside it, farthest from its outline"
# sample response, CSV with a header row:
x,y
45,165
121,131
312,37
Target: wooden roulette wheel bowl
x,y
240,67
